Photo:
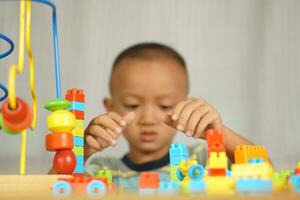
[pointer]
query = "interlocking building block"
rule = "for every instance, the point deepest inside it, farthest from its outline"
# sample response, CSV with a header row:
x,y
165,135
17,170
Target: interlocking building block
x,y
215,141
148,180
77,106
261,170
173,175
178,149
78,141
297,169
168,188
75,94
254,186
255,160
147,191
245,152
217,160
219,185
217,172
106,173
295,179
197,186
78,132
78,150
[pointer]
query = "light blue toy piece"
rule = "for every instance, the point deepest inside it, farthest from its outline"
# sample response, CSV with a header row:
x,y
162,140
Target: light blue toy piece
x,y
179,175
79,169
168,188
78,141
76,106
61,189
228,172
197,186
95,188
254,186
256,160
196,172
147,191
176,160
79,160
178,149
295,179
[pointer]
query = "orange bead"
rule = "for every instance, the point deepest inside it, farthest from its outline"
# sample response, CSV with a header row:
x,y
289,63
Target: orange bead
x,y
17,119
59,141
64,162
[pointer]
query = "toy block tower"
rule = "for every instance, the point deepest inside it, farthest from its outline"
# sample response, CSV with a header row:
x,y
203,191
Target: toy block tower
x,y
177,153
246,153
217,159
77,99
148,182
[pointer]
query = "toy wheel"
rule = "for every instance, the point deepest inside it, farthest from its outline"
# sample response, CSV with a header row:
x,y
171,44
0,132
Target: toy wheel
x,y
95,188
296,183
61,189
179,175
196,172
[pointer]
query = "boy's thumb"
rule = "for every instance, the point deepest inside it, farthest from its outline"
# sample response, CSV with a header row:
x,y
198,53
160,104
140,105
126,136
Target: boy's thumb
x,y
167,119
129,117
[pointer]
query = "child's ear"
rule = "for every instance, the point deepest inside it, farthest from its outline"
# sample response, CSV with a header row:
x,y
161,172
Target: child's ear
x,y
107,104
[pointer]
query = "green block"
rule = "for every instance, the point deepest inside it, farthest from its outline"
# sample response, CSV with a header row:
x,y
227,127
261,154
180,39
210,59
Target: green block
x,y
78,150
173,175
105,173
80,124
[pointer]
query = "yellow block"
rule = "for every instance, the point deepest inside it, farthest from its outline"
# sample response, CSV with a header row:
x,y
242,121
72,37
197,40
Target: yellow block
x,y
173,175
219,185
79,132
217,161
78,150
256,170
80,123
185,187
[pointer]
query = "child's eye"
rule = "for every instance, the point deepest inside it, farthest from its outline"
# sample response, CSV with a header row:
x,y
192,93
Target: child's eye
x,y
166,107
131,106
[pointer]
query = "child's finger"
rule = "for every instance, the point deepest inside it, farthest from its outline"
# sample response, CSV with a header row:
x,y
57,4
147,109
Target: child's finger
x,y
129,117
167,119
107,122
113,135
102,142
186,112
117,118
178,109
100,132
92,142
207,119
196,116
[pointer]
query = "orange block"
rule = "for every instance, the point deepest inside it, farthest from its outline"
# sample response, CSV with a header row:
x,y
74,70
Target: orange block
x,y
75,94
148,180
217,172
245,152
78,114
215,141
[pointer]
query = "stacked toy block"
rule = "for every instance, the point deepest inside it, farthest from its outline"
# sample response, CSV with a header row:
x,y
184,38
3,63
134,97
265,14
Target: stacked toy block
x,y
244,153
77,99
148,183
177,153
61,122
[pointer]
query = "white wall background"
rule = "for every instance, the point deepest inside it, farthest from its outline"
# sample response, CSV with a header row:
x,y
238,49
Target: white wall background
x,y
243,56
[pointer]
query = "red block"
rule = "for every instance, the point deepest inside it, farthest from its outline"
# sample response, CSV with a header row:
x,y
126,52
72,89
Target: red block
x,y
148,180
75,94
297,171
217,172
78,114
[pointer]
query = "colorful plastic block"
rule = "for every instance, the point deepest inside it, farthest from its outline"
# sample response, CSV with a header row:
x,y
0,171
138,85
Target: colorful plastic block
x,y
75,94
61,121
173,173
254,186
215,141
256,160
78,132
78,114
245,152
148,180
147,191
79,169
79,160
184,187
196,172
178,149
78,150
197,186
219,185
176,160
96,188
168,188
295,179
80,124
59,141
76,106
261,170
61,189
106,173
297,169
217,172
17,119
64,162
78,141
218,160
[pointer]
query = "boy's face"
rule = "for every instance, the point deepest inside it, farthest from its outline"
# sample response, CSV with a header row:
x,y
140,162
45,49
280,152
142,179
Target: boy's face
x,y
150,88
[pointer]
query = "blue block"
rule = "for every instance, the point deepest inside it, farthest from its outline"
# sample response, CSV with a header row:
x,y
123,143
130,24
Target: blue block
x,y
79,169
79,160
256,160
78,141
175,160
76,106
197,186
147,191
178,149
254,186
295,179
168,188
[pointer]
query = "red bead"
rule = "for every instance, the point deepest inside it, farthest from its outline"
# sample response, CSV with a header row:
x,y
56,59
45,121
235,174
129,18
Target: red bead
x,y
64,162
17,119
59,141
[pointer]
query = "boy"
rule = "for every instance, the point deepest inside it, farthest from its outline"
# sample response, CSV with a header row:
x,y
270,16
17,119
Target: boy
x,y
149,89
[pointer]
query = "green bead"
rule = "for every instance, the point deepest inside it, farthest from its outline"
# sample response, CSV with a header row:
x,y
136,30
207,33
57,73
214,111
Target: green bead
x,y
5,129
57,104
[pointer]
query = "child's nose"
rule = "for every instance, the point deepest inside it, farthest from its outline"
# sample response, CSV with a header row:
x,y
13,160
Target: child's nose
x,y
148,116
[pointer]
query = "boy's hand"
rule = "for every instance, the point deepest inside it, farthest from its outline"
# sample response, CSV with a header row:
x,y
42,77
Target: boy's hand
x,y
104,130
194,116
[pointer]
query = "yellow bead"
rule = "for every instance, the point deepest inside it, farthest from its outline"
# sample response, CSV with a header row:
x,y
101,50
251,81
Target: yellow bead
x,y
61,121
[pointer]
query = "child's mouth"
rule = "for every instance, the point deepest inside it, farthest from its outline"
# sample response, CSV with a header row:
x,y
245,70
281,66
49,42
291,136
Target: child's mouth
x,y
148,136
